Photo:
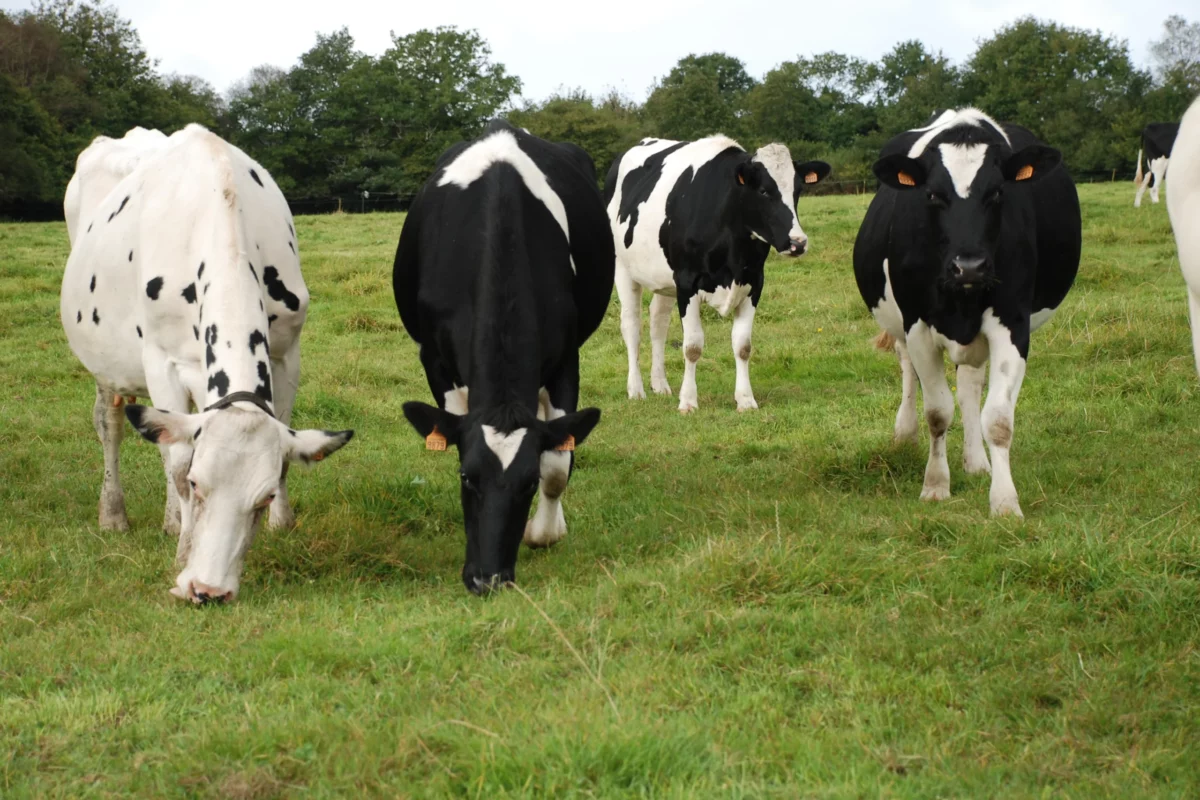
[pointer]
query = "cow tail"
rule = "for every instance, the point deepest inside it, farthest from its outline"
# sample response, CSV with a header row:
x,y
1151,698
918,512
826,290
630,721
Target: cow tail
x,y
885,342
1137,178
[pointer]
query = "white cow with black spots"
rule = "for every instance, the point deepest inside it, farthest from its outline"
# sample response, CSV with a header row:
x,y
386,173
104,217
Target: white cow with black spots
x,y
184,285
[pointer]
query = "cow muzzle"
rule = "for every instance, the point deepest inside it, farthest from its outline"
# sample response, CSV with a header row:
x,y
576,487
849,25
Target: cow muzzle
x,y
202,594
482,585
970,273
796,246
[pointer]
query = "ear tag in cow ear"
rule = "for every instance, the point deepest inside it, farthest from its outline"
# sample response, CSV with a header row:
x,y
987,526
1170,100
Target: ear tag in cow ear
x,y
905,179
318,456
811,177
568,445
1025,172
741,179
435,440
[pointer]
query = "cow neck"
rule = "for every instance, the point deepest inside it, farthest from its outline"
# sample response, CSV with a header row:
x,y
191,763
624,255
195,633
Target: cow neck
x,y
233,331
505,351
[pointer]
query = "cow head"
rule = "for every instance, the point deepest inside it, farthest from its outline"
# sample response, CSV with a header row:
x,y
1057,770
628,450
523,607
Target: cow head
x,y
227,465
499,457
768,186
964,186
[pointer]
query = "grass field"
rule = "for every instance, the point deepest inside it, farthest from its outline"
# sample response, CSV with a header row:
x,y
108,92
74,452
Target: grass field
x,y
745,605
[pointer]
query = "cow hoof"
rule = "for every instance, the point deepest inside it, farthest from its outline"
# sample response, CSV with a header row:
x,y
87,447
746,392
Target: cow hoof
x,y
538,536
636,393
933,493
687,408
1007,507
977,465
746,404
172,525
114,522
906,435
661,387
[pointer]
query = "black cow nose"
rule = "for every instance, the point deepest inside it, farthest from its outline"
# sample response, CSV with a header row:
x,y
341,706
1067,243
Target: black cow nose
x,y
968,271
798,246
481,587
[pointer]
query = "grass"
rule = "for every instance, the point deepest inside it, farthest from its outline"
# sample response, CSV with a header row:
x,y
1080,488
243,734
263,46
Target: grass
x,y
746,605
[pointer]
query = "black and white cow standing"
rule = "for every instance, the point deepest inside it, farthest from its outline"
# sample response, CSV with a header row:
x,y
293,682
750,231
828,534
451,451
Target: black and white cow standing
x,y
183,284
695,221
1157,140
971,243
503,270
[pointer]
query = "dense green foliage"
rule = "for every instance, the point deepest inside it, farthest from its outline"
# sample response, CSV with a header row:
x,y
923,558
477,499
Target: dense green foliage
x,y
341,122
772,610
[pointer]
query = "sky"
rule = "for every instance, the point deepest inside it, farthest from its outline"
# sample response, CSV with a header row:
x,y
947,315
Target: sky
x,y
621,44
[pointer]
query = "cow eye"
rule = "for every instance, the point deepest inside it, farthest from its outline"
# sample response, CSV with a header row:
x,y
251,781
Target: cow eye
x,y
266,501
764,192
467,483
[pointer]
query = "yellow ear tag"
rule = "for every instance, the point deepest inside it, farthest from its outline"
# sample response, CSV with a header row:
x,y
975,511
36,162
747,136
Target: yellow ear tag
x,y
568,445
741,179
811,177
905,179
1025,173
435,441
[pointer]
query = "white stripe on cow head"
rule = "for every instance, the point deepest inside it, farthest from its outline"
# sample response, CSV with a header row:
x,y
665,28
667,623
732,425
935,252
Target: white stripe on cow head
x,y
778,161
963,161
951,119
504,445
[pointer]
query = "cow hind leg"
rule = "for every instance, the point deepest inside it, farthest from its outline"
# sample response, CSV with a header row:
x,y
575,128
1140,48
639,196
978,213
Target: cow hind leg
x,y
1137,198
1004,385
108,417
630,295
285,375
1194,305
743,327
693,348
970,395
939,410
906,416
661,307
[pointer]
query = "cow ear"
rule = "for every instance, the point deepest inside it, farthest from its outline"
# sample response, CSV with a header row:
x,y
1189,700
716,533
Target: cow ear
x,y
1030,163
899,172
164,427
432,422
810,172
312,445
568,431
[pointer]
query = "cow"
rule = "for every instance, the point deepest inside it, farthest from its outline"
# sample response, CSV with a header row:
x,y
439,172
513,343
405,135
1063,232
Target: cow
x,y
1157,140
695,221
183,285
970,244
1183,207
503,270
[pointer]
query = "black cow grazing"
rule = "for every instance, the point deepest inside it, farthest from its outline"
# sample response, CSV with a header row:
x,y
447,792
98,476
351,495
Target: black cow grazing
x,y
504,269
696,221
1157,140
970,244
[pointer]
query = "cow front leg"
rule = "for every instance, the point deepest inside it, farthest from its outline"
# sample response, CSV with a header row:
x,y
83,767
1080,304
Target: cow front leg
x,y
660,321
108,418
1159,170
927,360
693,348
168,393
285,377
906,416
630,295
549,523
970,395
1194,307
1007,373
743,326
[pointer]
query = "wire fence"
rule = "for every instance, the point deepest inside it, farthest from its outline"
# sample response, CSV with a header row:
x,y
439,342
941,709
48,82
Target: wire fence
x,y
42,211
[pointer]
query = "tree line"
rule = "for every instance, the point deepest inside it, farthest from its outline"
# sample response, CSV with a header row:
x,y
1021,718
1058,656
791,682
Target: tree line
x,y
341,122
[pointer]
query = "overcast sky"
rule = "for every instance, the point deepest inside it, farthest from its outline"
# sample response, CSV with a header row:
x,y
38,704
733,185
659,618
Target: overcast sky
x,y
624,44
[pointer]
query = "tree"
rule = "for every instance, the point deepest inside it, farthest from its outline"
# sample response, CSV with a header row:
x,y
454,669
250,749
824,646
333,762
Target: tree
x,y
912,82
1176,58
605,128
702,95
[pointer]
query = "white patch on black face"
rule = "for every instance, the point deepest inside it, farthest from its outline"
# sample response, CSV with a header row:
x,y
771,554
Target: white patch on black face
x,y
456,401
963,161
471,163
504,445
951,119
778,161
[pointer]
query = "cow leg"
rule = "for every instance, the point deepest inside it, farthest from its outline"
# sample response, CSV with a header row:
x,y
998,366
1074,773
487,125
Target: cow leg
x,y
939,408
285,378
693,348
660,321
549,525
108,417
630,295
743,326
1159,170
1007,373
1137,199
970,395
169,394
906,417
1194,306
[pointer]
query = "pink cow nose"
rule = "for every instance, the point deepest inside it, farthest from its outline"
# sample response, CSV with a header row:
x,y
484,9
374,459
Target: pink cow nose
x,y
202,593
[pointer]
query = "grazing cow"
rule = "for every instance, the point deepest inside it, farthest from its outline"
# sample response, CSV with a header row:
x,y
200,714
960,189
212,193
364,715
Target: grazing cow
x,y
696,221
183,284
1183,206
504,268
1157,140
970,244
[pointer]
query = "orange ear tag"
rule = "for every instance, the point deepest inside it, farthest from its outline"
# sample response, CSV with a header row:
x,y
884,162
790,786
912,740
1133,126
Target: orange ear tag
x,y
741,179
435,441
905,179
1025,173
318,457
812,177
568,445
